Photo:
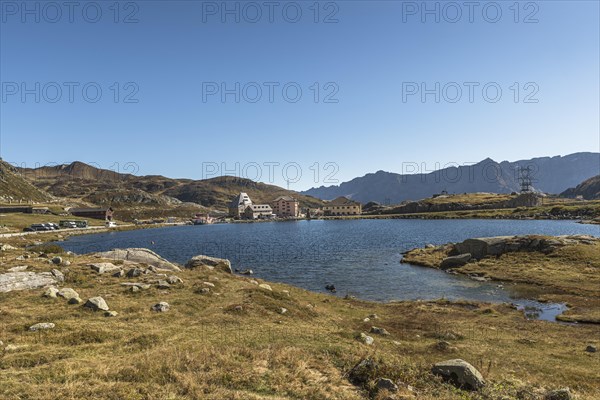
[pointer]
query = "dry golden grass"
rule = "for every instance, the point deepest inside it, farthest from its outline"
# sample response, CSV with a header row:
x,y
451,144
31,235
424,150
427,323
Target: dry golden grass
x,y
205,347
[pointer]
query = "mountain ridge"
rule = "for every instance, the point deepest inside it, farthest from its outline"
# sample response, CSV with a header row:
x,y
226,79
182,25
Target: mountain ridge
x,y
550,174
104,187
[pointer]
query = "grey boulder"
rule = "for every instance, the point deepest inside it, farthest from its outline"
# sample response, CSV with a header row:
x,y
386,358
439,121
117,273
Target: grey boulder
x,y
96,304
455,261
210,263
460,373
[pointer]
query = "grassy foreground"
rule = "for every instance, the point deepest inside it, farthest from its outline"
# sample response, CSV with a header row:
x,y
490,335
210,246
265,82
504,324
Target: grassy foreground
x,y
234,342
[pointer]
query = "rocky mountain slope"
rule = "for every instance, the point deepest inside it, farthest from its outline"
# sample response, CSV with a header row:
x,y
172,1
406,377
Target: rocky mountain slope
x,y
550,175
589,189
104,187
13,187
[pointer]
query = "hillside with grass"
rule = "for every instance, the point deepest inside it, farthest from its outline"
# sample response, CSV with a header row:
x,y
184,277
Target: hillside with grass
x,y
104,187
14,188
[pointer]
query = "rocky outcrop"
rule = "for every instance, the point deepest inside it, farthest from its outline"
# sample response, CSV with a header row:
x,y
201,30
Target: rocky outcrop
x,y
211,263
25,280
495,246
139,255
460,373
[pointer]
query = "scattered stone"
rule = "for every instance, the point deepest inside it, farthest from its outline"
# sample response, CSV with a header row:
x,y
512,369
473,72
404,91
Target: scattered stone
x,y
442,345
429,246
254,282
373,316
57,260
18,269
7,247
204,290
282,310
138,255
134,273
134,289
104,267
386,384
460,373
366,319
161,307
75,300
41,326
265,286
51,292
209,263
455,261
110,314
238,308
139,285
331,288
379,331
119,274
560,394
163,285
247,272
366,339
66,263
96,304
363,372
68,293
173,280
208,284
591,349
11,347
58,275
152,268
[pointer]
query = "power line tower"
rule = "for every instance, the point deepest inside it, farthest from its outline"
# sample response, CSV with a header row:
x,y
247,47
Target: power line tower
x,y
525,179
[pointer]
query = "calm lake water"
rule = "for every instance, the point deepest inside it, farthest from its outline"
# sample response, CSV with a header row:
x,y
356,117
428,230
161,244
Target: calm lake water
x,y
359,257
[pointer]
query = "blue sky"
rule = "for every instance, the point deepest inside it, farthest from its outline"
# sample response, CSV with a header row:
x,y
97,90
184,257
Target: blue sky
x,y
366,58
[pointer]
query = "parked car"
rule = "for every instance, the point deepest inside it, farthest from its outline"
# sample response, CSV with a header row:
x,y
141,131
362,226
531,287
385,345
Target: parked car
x,y
40,227
111,224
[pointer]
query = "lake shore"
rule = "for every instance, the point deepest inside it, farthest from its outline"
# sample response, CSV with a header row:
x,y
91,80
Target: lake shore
x,y
557,269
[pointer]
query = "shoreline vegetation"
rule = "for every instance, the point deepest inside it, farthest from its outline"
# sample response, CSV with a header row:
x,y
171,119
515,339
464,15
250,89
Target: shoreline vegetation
x,y
230,336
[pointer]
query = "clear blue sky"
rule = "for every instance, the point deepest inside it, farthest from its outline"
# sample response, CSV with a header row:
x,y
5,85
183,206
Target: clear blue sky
x,y
371,54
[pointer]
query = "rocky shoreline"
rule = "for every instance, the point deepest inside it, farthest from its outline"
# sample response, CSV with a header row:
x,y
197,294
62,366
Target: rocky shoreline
x,y
549,268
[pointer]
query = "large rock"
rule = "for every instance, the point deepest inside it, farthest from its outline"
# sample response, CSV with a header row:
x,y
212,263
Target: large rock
x,y
481,247
68,293
211,263
455,261
96,304
460,373
144,256
104,267
25,280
